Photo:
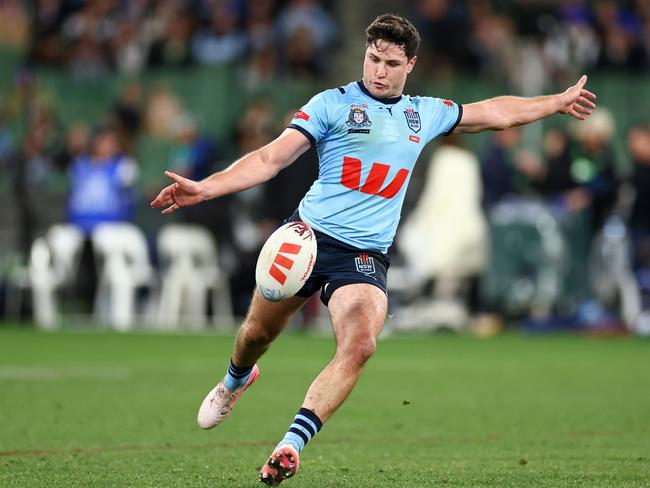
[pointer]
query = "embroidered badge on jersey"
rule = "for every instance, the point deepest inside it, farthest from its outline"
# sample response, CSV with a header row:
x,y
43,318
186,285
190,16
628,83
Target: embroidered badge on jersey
x,y
357,120
413,119
365,264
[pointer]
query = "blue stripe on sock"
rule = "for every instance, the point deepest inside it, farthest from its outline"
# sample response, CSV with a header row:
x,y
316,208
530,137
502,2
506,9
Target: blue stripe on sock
x,y
236,377
306,432
237,372
305,412
307,425
299,433
308,421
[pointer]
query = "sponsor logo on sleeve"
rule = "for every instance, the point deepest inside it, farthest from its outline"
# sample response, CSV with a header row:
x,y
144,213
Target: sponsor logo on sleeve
x,y
413,119
301,115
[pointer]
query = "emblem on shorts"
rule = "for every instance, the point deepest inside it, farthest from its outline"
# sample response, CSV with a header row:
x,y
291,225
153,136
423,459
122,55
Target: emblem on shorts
x,y
412,119
357,121
365,264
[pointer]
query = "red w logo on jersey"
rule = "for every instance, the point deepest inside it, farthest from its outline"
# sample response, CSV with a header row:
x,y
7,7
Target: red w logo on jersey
x,y
301,115
351,178
281,260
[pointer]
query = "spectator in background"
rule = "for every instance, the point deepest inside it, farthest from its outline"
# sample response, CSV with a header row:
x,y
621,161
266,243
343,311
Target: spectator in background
x,y
261,68
163,106
310,15
197,156
450,206
255,128
76,143
638,143
129,49
222,41
579,184
7,142
102,184
127,116
89,59
504,168
14,25
306,32
196,153
570,40
102,189
283,193
174,47
301,57
260,30
592,168
443,25
262,42
32,166
620,32
493,42
47,44
88,32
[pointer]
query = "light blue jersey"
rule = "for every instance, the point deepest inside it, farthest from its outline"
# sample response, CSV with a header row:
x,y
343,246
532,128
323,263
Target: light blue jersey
x,y
367,148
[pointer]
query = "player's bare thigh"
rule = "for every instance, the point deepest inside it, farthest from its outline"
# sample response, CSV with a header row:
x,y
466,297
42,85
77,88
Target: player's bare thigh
x,y
271,317
358,313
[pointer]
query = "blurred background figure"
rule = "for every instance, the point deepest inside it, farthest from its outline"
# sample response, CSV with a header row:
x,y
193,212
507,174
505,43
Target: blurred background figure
x,y
638,142
102,189
443,241
102,184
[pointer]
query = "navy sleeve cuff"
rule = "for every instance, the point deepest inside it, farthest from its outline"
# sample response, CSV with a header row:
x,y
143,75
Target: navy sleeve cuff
x,y
304,132
460,116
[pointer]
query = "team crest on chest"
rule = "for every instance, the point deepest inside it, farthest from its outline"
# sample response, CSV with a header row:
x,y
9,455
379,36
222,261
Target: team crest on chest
x,y
358,121
365,264
413,119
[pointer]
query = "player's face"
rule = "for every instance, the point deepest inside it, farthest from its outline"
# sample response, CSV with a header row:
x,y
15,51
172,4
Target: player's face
x,y
385,69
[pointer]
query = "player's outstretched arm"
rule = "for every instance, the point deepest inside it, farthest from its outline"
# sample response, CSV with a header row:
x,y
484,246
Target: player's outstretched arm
x,y
254,168
503,112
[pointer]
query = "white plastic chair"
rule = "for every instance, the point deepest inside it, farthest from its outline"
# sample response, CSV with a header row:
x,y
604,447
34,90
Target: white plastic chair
x,y
191,272
53,264
124,267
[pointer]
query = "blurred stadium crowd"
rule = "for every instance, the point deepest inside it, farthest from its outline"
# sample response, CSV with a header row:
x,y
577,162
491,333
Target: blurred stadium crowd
x,y
558,228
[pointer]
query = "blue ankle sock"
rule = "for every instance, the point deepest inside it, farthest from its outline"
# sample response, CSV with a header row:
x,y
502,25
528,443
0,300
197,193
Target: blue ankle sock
x,y
236,376
305,426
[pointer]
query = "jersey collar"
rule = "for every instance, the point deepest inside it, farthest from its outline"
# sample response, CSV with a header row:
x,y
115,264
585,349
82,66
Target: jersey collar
x,y
363,88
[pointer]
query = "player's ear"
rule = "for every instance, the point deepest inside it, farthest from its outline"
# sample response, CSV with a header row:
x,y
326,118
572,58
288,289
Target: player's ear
x,y
411,64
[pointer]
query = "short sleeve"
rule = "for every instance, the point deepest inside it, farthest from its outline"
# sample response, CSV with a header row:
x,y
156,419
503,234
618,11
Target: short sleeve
x,y
312,120
445,116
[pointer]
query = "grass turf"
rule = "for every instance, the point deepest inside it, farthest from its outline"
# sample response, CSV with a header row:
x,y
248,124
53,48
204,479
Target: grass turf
x,y
105,409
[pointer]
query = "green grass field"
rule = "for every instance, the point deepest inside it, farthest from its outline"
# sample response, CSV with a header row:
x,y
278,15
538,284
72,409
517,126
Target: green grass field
x,y
105,409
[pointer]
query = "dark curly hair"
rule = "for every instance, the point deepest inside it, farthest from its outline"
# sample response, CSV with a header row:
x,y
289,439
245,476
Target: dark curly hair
x,y
396,30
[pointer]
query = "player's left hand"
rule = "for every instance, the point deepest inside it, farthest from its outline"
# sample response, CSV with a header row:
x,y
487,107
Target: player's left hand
x,y
576,101
182,193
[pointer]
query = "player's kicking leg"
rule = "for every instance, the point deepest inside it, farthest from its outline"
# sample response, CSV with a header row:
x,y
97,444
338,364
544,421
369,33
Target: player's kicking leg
x,y
264,322
358,312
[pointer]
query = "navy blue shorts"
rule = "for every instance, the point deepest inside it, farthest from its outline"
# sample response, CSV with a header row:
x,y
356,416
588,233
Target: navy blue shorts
x,y
339,264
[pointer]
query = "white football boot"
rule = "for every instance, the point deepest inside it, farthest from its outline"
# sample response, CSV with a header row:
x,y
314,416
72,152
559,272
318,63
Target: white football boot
x,y
219,402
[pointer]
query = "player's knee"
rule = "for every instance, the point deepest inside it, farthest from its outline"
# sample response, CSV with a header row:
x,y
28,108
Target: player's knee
x,y
359,349
256,333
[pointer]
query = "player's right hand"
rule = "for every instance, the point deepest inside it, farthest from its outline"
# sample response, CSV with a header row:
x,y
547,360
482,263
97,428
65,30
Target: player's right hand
x,y
182,193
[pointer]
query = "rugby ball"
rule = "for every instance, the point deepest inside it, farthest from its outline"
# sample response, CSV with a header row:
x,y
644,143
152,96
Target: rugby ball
x,y
286,261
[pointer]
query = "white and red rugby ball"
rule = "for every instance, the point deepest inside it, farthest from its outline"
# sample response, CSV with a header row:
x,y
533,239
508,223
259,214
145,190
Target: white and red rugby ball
x,y
286,261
